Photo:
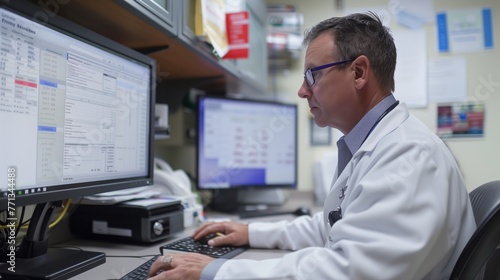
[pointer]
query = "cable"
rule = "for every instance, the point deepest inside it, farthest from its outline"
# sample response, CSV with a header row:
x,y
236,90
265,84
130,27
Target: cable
x,y
54,223
62,214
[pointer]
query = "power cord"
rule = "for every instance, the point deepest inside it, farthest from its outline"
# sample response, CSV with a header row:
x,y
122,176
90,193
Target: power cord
x,y
25,224
4,228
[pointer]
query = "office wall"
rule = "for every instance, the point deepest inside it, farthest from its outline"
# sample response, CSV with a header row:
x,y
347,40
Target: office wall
x,y
478,158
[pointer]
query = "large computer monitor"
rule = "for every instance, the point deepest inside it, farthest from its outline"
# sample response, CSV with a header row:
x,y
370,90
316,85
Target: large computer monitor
x,y
76,111
246,151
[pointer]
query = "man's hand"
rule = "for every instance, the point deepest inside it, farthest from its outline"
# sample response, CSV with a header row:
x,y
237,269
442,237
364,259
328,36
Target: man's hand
x,y
234,234
187,266
182,266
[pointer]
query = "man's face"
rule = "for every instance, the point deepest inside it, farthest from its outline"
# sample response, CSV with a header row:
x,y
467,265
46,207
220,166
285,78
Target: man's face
x,y
332,95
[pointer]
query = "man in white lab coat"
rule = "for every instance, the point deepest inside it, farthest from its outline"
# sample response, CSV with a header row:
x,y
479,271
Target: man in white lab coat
x,y
398,207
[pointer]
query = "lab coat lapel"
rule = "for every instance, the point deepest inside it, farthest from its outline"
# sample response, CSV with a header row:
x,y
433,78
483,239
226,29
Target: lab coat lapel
x,y
332,201
388,124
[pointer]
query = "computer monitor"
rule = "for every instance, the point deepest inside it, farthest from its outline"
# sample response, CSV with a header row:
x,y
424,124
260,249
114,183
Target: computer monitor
x,y
76,111
246,151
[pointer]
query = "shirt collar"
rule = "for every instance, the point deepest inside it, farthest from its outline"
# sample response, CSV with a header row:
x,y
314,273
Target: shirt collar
x,y
355,138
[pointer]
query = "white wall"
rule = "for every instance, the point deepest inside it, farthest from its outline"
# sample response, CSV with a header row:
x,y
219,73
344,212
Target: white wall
x,y
478,158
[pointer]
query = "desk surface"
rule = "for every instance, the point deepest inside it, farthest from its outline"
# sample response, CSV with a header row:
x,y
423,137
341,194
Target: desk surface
x,y
116,267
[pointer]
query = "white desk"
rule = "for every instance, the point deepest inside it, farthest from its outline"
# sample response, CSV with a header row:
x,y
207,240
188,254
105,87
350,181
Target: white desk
x,y
116,267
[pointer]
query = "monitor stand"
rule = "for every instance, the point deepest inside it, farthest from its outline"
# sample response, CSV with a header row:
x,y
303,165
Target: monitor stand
x,y
238,201
34,260
269,197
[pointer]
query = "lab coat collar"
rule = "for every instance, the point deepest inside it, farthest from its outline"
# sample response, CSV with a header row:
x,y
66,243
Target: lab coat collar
x,y
389,123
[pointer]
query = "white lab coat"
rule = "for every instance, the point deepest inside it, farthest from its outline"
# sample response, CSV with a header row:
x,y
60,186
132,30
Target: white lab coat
x,y
406,215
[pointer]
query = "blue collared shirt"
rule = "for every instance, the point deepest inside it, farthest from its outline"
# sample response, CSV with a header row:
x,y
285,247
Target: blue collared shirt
x,y
355,138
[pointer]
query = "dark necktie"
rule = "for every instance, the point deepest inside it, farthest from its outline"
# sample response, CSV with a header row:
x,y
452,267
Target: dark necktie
x,y
344,154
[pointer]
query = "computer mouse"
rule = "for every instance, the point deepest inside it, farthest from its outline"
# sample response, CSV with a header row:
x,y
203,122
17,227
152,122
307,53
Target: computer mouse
x,y
302,211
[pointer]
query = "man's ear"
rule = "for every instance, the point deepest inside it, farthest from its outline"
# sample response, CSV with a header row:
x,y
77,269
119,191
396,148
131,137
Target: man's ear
x,y
361,68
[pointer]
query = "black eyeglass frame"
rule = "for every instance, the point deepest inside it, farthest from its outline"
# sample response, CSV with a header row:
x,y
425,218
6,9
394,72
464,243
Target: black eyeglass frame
x,y
309,77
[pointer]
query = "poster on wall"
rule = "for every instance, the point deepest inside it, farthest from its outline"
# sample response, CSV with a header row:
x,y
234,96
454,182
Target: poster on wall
x,y
460,120
411,71
320,136
465,30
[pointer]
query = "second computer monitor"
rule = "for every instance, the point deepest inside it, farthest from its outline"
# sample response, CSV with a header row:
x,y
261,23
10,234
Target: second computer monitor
x,y
245,145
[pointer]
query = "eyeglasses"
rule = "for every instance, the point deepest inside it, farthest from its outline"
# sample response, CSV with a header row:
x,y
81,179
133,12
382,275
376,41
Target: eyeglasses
x,y
309,77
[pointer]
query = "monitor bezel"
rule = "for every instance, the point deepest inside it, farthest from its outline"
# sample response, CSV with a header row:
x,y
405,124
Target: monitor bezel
x,y
71,191
292,186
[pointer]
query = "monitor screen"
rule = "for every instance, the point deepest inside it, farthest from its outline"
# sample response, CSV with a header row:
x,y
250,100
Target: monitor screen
x,y
246,144
77,115
76,111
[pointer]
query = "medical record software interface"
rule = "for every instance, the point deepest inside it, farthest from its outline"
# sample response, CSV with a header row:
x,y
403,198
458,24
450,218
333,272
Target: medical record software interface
x,y
73,112
246,143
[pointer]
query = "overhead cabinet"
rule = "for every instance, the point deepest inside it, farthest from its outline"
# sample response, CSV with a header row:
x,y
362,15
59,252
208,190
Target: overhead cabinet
x,y
164,30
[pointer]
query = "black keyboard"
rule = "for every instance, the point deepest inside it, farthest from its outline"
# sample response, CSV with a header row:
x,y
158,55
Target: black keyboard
x,y
140,272
188,244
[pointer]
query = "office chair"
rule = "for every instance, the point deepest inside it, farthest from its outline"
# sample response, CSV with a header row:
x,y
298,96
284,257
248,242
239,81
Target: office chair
x,y
480,259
